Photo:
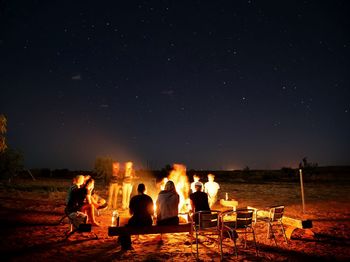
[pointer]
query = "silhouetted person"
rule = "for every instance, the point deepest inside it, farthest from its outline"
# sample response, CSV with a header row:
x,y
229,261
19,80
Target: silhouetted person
x,y
199,200
141,209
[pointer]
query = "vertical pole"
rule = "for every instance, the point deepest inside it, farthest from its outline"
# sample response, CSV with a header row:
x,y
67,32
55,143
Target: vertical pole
x,y
302,189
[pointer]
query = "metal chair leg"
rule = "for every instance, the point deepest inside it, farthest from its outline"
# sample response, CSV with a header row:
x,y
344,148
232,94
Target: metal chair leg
x,y
256,246
235,245
197,244
272,234
62,218
284,233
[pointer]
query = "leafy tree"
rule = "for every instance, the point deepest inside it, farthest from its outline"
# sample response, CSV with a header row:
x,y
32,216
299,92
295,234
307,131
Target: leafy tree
x,y
246,170
165,171
11,162
288,171
308,167
103,168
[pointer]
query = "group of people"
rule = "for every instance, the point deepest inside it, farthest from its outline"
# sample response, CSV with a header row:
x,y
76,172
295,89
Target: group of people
x,y
142,209
82,201
211,188
123,181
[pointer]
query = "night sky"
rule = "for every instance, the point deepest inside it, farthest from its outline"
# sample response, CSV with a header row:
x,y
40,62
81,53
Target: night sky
x,y
211,84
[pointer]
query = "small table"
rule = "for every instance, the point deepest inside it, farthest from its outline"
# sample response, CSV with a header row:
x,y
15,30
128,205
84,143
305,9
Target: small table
x,y
229,203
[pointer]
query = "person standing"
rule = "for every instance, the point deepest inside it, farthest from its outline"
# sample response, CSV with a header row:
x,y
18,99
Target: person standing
x,y
167,205
114,186
211,188
195,180
127,184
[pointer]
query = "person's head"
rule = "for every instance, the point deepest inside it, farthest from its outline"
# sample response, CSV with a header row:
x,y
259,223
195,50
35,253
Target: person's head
x,y
128,165
116,168
198,186
141,188
195,178
90,183
79,180
211,177
169,186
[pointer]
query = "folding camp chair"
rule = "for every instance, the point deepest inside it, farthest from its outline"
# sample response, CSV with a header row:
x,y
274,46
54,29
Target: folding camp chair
x,y
274,219
207,222
241,222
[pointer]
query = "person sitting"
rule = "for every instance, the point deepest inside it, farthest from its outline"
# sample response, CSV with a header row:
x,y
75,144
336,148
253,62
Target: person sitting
x,y
168,205
78,181
141,209
75,201
199,201
89,202
196,179
211,188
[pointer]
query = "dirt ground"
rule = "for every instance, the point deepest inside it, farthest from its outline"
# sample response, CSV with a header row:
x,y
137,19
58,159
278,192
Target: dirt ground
x,y
30,232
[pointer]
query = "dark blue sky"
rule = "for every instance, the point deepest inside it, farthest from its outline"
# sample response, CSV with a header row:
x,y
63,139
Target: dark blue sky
x,y
211,84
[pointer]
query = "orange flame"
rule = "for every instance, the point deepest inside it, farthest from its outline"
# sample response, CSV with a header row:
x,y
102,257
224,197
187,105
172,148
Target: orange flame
x,y
178,176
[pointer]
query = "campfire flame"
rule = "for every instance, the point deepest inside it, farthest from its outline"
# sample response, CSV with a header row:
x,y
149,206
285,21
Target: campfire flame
x,y
178,176
180,180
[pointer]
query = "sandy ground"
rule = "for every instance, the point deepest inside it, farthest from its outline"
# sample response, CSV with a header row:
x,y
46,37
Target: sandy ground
x,y
30,232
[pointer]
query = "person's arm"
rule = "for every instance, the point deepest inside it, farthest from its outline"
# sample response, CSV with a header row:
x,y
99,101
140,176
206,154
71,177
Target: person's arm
x,y
150,208
93,200
158,207
88,198
192,205
131,207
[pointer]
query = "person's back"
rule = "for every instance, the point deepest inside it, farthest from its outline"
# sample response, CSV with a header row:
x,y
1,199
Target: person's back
x,y
200,201
167,205
141,208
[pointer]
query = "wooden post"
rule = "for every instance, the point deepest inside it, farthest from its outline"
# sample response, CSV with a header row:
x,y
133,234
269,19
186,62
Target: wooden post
x,y
302,189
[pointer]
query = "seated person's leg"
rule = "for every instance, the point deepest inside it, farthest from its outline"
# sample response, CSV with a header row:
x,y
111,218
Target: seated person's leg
x,y
90,211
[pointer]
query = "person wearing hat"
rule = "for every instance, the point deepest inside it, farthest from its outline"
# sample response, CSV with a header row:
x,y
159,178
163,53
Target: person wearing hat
x,y
196,179
199,200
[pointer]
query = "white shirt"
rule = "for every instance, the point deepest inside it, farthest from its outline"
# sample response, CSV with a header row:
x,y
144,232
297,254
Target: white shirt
x,y
211,188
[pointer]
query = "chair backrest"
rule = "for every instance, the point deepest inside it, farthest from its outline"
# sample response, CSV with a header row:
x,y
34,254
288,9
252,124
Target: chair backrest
x,y
208,220
244,218
276,213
